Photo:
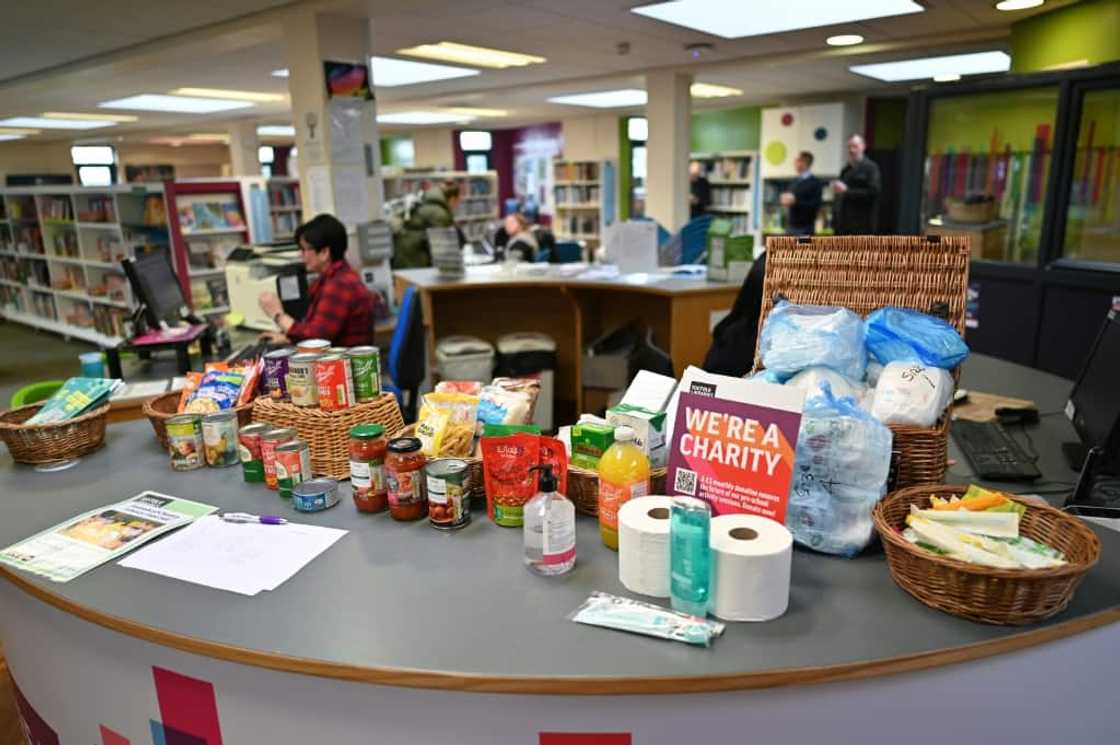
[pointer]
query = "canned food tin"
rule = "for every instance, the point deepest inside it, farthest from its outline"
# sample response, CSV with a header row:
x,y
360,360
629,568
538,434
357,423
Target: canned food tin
x,y
271,440
312,346
249,439
276,371
365,367
302,387
344,353
219,439
449,504
315,495
184,442
293,466
331,376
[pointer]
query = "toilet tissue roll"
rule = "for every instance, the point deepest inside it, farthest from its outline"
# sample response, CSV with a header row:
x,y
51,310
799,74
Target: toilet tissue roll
x,y
643,545
751,558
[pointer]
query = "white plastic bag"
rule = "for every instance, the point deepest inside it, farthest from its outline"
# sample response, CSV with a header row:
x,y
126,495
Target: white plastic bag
x,y
810,379
795,337
912,393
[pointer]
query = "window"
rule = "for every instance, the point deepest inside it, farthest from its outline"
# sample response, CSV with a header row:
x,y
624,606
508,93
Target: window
x,y
266,156
637,127
96,164
988,159
475,140
478,162
637,132
1093,217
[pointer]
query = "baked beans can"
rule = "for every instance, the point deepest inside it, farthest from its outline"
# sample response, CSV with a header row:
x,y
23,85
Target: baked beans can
x,y
276,371
303,389
219,439
249,446
333,381
184,442
313,346
449,503
365,367
293,466
271,440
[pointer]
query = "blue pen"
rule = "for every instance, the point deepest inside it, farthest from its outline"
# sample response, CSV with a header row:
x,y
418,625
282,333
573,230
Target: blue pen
x,y
245,517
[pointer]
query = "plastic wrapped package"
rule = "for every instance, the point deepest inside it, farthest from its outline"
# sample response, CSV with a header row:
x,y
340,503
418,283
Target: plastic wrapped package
x,y
912,393
874,370
902,335
769,376
811,378
795,337
843,460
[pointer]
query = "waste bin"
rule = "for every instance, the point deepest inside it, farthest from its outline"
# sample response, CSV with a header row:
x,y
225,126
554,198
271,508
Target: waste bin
x,y
465,358
531,355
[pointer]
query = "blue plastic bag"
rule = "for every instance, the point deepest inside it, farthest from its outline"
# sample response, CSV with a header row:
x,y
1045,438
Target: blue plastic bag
x,y
798,336
901,335
843,460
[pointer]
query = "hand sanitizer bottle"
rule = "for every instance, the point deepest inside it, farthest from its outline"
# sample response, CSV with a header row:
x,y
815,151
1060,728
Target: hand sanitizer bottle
x,y
549,529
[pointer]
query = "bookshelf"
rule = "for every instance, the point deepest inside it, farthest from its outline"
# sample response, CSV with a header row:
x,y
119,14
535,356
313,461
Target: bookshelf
x,y
60,253
583,200
733,176
284,207
478,196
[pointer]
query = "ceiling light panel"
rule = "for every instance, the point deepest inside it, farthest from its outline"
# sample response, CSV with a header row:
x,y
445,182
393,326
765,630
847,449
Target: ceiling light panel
x,y
254,96
604,99
844,40
37,122
177,104
389,72
469,111
422,117
932,67
90,117
464,54
731,21
6,138
280,73
1018,4
708,90
277,130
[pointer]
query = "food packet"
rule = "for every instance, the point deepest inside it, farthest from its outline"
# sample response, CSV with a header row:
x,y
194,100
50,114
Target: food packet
x,y
509,483
555,454
430,430
470,387
501,406
253,373
624,614
190,385
216,392
456,438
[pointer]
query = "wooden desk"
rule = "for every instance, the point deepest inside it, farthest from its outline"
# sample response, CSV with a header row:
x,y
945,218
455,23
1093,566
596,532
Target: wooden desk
x,y
574,311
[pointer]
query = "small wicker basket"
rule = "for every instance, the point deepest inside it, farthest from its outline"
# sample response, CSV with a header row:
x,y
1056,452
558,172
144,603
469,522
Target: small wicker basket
x,y
1010,597
328,432
166,405
583,487
50,443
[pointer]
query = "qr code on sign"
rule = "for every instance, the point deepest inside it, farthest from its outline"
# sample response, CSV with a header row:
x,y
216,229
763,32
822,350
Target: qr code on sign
x,y
685,482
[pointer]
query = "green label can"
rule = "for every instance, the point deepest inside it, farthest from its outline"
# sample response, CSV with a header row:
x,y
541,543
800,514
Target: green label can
x,y
293,466
365,365
184,441
249,439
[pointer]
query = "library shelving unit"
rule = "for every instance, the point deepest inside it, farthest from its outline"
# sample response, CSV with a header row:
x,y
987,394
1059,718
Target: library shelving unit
x,y
583,200
733,176
478,195
284,207
60,253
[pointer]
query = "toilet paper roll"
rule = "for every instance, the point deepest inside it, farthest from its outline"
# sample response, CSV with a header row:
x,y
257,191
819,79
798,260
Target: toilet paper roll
x,y
643,545
751,558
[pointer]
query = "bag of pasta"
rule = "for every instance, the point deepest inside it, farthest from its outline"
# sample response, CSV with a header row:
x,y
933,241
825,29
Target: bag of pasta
x,y
446,424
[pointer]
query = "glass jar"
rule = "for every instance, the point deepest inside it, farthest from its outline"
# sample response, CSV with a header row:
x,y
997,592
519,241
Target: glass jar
x,y
404,472
367,467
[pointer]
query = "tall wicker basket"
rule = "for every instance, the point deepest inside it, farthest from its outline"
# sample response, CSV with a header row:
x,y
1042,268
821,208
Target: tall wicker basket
x,y
865,273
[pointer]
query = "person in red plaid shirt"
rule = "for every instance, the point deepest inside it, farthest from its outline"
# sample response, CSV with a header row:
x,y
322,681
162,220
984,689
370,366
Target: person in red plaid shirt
x,y
341,308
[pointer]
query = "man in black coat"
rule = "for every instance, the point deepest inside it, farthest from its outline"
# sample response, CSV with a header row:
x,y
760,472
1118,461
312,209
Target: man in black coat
x,y
803,200
857,193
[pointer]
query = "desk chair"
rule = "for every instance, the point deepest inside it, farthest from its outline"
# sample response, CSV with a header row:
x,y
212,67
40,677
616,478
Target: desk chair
x,y
694,239
564,252
405,363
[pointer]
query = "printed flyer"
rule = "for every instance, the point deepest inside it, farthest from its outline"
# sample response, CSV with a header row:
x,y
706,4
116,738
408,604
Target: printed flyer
x,y
734,444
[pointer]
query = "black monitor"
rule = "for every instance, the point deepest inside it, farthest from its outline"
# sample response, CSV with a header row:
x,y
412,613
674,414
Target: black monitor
x,y
1094,402
155,285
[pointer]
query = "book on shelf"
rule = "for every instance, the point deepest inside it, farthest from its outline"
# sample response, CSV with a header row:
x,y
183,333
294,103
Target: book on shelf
x,y
576,171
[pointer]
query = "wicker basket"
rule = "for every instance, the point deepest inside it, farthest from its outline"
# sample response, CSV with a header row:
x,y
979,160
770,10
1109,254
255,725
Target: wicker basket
x,y
166,405
864,273
49,443
583,488
1011,597
328,432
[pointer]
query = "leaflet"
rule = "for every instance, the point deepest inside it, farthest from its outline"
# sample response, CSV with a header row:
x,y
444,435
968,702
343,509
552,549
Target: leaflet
x,y
82,543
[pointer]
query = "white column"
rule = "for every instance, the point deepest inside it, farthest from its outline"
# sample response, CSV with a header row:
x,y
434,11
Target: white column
x,y
243,145
669,112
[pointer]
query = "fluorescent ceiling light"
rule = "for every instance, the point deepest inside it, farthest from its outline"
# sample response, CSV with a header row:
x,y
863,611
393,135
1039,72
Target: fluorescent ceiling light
x,y
21,131
254,96
951,77
844,40
389,72
90,117
930,67
449,51
468,111
179,104
707,90
208,137
280,73
731,21
604,99
277,130
38,122
1018,4
5,138
422,117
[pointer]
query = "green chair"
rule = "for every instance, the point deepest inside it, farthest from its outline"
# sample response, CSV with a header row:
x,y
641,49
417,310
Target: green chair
x,y
33,393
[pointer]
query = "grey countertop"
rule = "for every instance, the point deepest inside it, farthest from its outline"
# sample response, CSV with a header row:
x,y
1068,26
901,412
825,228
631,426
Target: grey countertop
x,y
406,597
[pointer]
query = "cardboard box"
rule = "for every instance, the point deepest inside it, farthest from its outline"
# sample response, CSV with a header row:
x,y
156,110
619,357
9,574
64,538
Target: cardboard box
x,y
648,426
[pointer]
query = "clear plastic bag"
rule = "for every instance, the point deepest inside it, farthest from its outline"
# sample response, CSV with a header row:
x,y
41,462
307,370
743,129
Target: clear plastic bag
x,y
843,460
911,393
811,378
795,337
902,335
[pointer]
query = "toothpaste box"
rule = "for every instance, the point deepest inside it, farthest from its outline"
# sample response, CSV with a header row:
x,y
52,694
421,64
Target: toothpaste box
x,y
648,426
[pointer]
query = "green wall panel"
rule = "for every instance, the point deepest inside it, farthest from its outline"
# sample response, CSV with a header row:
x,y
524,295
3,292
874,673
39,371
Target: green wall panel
x,y
726,129
1089,30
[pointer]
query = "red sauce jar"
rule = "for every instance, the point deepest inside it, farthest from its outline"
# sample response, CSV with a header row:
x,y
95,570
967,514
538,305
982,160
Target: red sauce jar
x,y
368,448
404,472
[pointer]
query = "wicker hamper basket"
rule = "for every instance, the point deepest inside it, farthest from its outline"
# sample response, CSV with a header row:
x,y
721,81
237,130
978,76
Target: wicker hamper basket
x,y
49,443
864,273
1011,597
166,405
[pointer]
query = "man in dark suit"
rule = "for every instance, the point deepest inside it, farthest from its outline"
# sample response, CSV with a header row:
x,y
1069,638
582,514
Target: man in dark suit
x,y
857,192
803,200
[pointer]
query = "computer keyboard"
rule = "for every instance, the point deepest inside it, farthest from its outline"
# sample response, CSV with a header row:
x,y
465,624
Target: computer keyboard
x,y
992,453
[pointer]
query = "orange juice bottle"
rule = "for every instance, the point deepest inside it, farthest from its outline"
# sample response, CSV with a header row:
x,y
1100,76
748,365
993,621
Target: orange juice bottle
x,y
623,475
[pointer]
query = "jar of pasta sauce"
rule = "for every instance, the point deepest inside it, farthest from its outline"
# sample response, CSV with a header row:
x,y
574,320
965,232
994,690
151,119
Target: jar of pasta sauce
x,y
368,449
404,472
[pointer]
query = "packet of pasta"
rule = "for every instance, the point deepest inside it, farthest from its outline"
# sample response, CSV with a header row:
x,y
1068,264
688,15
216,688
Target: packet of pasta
x,y
431,429
457,440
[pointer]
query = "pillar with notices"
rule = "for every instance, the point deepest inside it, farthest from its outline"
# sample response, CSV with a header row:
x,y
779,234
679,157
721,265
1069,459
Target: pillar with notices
x,y
669,112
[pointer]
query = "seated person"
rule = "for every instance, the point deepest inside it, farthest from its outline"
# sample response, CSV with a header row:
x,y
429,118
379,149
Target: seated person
x,y
524,239
341,308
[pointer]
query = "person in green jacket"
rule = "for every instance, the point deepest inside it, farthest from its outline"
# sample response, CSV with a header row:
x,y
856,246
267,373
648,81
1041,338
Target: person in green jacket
x,y
436,210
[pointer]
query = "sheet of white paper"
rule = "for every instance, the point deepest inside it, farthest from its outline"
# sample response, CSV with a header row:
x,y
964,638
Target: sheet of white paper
x,y
139,389
319,189
351,195
346,131
238,557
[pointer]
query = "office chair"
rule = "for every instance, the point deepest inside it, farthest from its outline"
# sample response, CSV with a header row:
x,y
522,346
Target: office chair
x,y
694,239
406,355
